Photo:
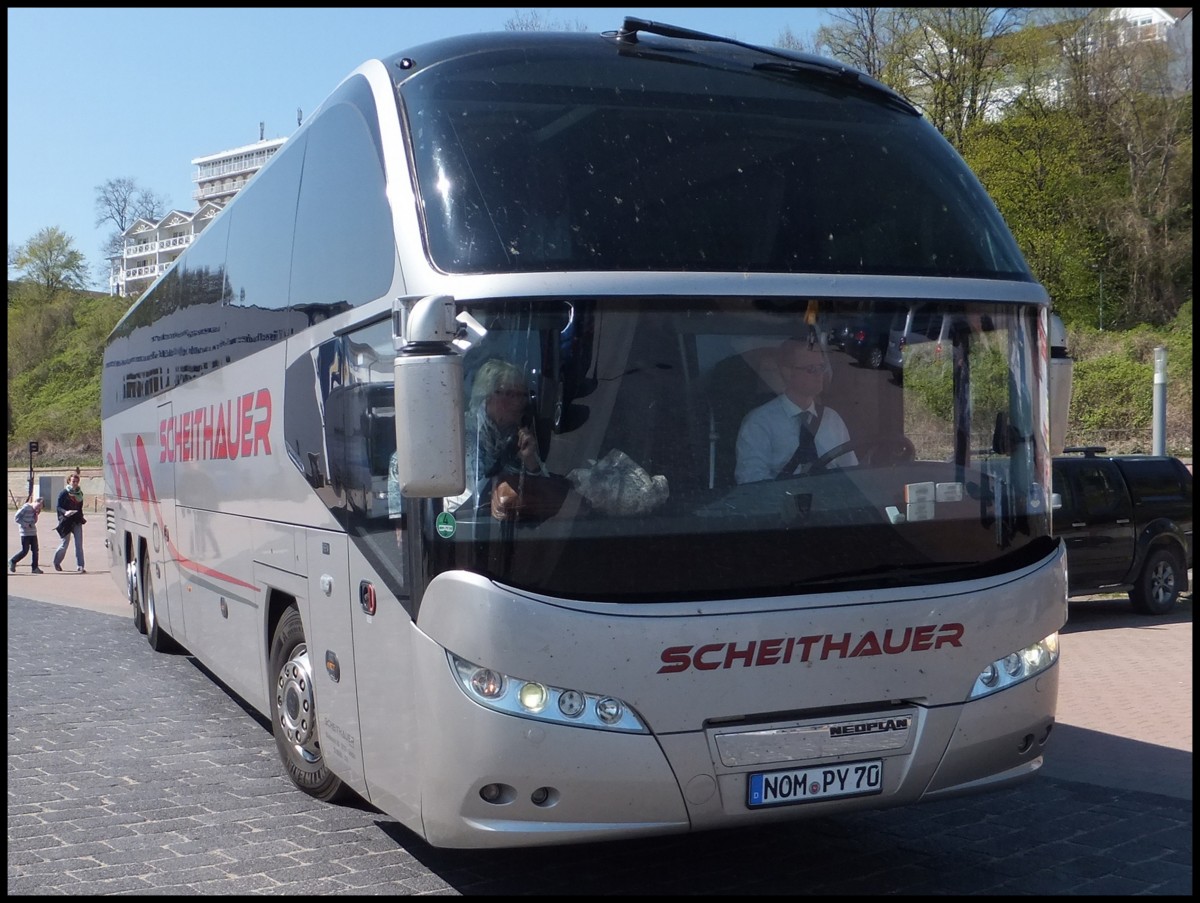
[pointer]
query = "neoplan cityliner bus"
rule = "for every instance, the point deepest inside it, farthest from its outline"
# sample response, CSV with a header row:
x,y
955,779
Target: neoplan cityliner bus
x,y
626,641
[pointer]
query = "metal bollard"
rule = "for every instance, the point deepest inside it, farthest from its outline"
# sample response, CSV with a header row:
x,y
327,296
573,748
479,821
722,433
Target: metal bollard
x,y
1159,441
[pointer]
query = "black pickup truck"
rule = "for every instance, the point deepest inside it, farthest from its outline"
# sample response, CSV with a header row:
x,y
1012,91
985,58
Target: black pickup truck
x,y
1127,523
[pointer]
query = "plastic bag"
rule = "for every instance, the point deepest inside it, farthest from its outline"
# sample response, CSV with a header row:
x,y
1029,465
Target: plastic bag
x,y
616,484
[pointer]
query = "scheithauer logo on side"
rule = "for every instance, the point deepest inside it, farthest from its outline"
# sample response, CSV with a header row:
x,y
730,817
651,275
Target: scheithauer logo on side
x,y
880,726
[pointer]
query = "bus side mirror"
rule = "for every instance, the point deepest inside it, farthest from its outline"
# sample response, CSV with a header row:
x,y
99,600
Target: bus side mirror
x,y
428,394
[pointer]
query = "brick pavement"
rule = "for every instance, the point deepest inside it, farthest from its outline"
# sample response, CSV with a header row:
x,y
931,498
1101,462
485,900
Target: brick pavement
x,y
94,590
136,773
1125,697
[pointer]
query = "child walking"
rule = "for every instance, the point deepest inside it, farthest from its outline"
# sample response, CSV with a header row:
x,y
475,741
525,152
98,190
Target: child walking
x,y
26,518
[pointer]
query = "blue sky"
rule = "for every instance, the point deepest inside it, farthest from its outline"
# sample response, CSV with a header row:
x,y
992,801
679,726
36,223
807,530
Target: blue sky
x,y
99,94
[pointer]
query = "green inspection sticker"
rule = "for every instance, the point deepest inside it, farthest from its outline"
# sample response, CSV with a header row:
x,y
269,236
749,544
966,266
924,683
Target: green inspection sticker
x,y
446,525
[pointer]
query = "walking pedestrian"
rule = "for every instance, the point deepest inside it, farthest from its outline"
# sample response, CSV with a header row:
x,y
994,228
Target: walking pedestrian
x,y
26,518
70,523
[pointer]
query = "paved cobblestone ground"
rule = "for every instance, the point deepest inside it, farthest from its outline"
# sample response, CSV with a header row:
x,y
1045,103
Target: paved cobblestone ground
x,y
136,773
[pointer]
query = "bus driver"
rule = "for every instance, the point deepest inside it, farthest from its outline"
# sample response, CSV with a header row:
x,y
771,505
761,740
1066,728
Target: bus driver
x,y
788,433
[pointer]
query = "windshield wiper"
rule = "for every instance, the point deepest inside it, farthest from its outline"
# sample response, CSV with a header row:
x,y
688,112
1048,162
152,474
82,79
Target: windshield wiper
x,y
846,76
629,32
793,64
899,572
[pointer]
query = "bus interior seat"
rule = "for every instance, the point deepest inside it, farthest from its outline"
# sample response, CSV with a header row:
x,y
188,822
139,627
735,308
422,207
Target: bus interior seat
x,y
641,424
735,388
653,412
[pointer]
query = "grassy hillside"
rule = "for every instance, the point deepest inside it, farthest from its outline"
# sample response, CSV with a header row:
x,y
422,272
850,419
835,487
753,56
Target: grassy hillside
x,y
55,353
1113,398
56,346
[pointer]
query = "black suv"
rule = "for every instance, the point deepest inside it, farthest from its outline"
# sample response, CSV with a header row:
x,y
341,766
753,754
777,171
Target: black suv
x,y
1127,523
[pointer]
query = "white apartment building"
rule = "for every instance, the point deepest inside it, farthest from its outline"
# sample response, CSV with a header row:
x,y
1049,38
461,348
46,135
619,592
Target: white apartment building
x,y
151,247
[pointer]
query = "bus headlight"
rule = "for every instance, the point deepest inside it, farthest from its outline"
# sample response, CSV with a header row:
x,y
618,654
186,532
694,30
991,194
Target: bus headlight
x,y
532,697
1016,667
543,702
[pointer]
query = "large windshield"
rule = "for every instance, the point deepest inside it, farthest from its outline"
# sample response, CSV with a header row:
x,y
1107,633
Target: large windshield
x,y
587,158
645,449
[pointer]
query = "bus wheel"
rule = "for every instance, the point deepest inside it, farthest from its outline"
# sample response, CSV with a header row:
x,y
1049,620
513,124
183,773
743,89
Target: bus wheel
x,y
1157,587
294,711
131,589
159,639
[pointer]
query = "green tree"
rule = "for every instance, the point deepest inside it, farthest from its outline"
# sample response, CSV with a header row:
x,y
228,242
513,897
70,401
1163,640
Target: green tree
x,y
943,59
56,335
1036,164
51,262
1074,127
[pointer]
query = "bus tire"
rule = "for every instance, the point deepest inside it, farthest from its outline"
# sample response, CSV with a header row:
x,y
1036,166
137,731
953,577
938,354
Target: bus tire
x,y
159,639
1158,585
135,600
294,711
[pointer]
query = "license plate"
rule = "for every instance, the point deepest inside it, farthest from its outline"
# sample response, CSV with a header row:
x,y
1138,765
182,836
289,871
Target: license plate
x,y
814,783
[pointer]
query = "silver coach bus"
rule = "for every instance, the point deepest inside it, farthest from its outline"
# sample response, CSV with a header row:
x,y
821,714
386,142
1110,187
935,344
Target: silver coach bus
x,y
619,637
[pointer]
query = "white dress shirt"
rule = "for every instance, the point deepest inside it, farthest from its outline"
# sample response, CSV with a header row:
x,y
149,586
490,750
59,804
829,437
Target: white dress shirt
x,y
769,435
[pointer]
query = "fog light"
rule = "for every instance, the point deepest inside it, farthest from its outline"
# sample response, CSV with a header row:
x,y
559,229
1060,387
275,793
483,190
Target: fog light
x,y
489,793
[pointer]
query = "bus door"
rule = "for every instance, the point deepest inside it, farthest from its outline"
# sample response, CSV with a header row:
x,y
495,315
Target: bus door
x,y
333,605
163,550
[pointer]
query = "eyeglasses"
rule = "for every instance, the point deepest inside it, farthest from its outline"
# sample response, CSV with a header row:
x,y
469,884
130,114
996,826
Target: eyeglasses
x,y
810,369
510,393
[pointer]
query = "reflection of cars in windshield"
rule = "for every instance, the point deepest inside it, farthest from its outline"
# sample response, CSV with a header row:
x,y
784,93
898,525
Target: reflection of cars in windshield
x,y
866,341
837,329
918,326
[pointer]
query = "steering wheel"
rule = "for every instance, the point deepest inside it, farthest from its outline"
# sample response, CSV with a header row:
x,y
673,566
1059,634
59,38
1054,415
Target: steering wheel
x,y
823,462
